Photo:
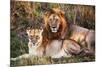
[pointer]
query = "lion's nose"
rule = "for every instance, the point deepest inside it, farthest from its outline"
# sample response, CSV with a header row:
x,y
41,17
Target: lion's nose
x,y
53,27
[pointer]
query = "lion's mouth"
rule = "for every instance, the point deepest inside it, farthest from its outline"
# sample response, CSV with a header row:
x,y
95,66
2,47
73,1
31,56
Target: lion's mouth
x,y
54,29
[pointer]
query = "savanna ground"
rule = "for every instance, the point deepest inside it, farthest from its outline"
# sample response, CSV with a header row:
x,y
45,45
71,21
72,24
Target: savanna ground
x,y
29,14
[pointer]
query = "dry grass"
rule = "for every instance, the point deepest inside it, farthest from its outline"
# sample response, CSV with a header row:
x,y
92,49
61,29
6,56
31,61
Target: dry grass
x,y
49,60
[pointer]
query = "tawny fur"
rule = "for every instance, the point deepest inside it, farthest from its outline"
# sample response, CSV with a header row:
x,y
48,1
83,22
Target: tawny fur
x,y
85,37
61,22
35,41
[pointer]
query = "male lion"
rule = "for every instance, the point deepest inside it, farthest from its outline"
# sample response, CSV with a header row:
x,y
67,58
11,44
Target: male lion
x,y
57,27
55,24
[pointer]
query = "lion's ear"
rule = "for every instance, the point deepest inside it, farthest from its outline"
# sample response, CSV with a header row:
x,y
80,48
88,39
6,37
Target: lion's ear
x,y
45,17
59,11
48,12
62,13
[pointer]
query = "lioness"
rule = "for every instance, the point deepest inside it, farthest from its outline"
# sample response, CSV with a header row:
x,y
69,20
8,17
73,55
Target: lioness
x,y
35,41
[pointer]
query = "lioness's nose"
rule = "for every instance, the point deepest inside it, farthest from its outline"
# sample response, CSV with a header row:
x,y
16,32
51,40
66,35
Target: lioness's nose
x,y
33,43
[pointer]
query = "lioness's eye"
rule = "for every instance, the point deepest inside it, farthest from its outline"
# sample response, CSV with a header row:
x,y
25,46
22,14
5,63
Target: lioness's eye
x,y
37,37
30,36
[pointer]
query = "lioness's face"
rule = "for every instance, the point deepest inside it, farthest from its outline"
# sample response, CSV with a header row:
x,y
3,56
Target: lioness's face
x,y
35,36
54,22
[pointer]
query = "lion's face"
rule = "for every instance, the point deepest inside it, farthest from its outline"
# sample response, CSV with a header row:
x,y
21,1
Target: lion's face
x,y
54,22
35,36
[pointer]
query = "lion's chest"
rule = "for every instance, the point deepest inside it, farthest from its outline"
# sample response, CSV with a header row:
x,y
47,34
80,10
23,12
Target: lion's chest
x,y
54,47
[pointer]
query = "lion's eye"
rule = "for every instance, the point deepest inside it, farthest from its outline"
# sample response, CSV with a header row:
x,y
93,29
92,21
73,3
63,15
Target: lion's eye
x,y
56,20
50,19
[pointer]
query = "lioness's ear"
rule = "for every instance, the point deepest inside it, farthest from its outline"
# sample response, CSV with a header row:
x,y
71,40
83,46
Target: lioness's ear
x,y
41,30
28,30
